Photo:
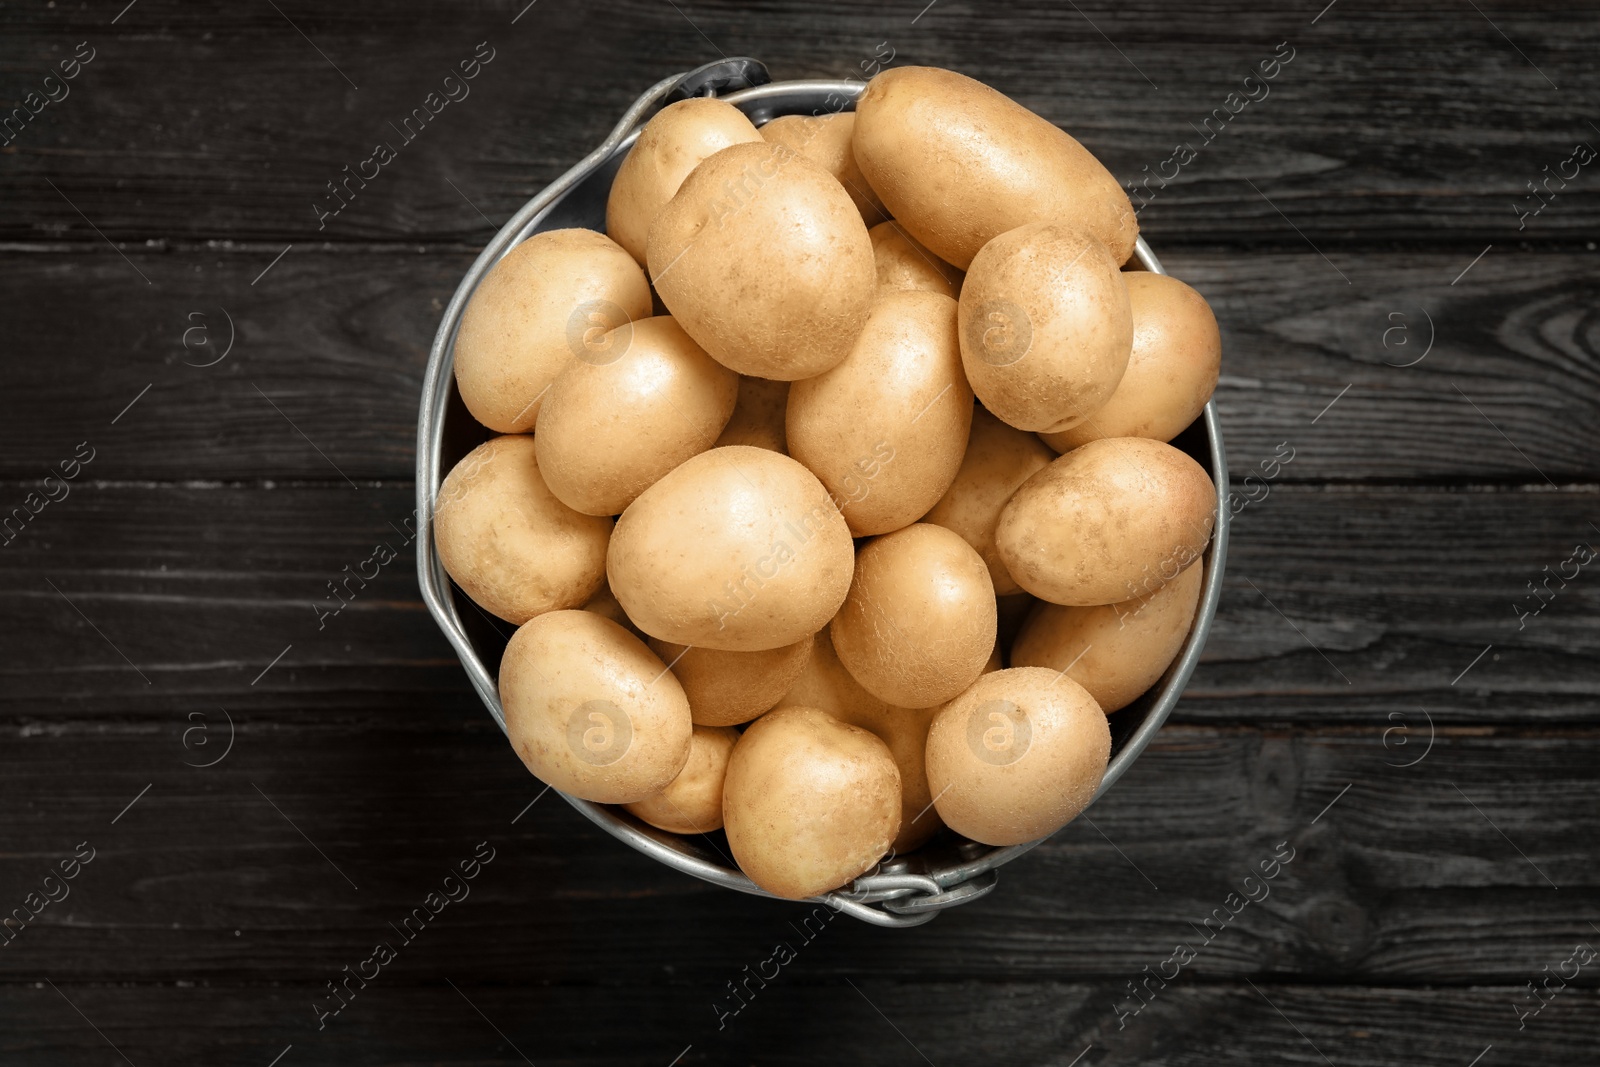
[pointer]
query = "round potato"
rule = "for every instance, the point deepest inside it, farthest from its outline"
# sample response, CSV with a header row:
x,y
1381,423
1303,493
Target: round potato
x,y
825,684
886,429
737,549
508,542
1114,519
728,688
671,145
1046,326
692,802
758,415
919,623
998,460
1115,651
763,258
547,300
809,802
1172,371
825,140
1017,756
958,163
591,710
607,431
902,263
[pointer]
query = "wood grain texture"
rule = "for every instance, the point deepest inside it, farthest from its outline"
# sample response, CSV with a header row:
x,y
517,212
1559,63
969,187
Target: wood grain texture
x,y
226,123
328,352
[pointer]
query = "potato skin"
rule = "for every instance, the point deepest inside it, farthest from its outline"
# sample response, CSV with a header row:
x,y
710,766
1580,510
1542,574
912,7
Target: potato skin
x,y
692,802
591,710
919,623
809,802
531,315
508,542
729,688
886,429
1017,756
999,459
607,431
826,140
825,684
903,263
958,163
1172,370
1115,651
763,259
675,141
1111,520
758,415
1046,326
738,548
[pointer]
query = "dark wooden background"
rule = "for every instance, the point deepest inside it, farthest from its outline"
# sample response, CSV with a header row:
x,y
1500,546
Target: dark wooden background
x,y
1366,207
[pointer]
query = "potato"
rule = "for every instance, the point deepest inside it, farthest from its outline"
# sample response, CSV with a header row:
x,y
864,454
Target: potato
x,y
1111,520
591,710
758,415
825,684
958,163
508,542
692,802
1046,326
728,688
902,263
605,603
549,299
1017,756
671,145
1172,371
738,549
809,802
1115,651
886,429
762,257
919,623
998,460
825,140
607,431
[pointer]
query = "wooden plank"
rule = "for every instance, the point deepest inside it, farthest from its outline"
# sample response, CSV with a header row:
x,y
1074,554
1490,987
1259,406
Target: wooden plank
x,y
873,1023
1356,142
296,851
203,586
326,367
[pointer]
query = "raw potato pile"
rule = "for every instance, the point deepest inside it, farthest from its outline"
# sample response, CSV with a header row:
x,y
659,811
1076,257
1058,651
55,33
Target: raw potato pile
x,y
761,548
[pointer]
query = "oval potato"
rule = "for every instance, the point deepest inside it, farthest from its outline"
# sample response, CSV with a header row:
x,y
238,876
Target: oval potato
x,y
508,541
591,710
692,802
958,163
728,688
825,140
919,623
1172,370
1017,756
1046,326
672,144
607,431
902,263
1111,520
763,259
999,459
758,415
886,429
738,548
1115,651
545,302
809,802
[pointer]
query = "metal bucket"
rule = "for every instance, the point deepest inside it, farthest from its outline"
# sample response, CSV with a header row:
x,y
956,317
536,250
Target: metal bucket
x,y
903,890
